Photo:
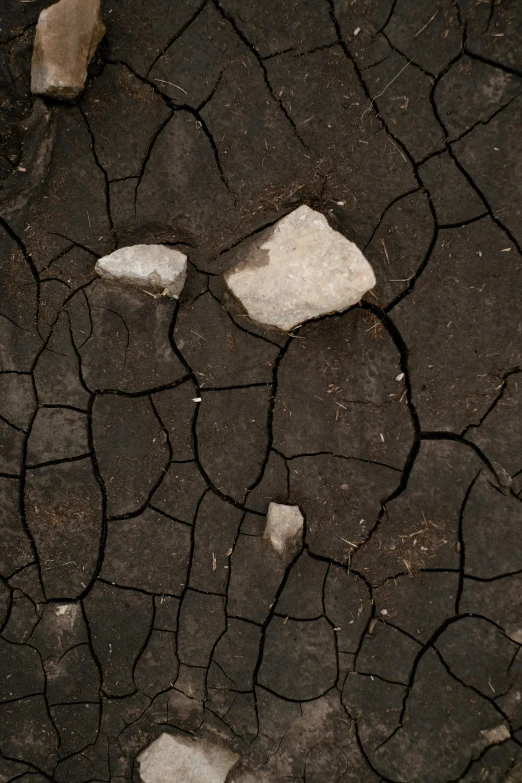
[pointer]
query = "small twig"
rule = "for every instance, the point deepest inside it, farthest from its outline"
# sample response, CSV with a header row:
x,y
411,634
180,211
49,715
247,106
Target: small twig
x,y
401,153
430,20
385,251
355,546
383,91
172,85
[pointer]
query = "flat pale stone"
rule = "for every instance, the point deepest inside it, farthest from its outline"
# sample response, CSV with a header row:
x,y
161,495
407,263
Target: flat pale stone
x,y
177,759
284,529
152,266
497,735
300,268
67,35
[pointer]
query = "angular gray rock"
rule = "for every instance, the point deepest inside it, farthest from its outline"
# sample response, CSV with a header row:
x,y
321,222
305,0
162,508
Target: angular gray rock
x,y
298,269
176,759
67,35
157,267
284,529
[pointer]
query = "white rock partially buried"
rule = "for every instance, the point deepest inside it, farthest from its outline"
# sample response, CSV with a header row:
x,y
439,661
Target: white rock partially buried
x,y
67,35
284,529
177,759
153,267
298,269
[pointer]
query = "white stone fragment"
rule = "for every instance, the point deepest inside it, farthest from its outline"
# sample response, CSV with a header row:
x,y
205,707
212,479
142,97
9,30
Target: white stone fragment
x,y
67,35
497,735
298,269
177,759
284,529
152,266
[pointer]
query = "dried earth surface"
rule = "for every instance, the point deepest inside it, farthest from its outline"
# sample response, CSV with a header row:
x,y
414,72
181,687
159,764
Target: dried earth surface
x,y
142,438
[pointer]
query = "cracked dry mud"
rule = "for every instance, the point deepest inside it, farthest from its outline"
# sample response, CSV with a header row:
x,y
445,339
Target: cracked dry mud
x,y
137,594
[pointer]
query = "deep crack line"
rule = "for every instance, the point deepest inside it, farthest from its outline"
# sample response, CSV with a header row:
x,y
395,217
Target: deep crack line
x,y
451,151
493,63
230,19
496,401
101,168
175,107
200,123
177,35
395,201
400,146
29,261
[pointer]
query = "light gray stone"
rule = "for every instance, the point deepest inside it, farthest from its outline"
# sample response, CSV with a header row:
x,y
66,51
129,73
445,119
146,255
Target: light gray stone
x,y
284,529
177,759
300,268
67,35
154,267
497,735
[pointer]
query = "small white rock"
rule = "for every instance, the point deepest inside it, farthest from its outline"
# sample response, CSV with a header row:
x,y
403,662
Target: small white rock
x,y
67,35
67,610
284,529
300,268
153,266
497,735
177,759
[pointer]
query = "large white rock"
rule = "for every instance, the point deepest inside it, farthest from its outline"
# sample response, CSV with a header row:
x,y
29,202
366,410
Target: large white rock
x,y
67,35
177,759
155,267
298,269
284,529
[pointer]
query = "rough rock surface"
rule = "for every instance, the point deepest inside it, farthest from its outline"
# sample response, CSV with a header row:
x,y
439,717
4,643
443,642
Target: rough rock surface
x,y
176,759
155,267
284,529
67,35
298,269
